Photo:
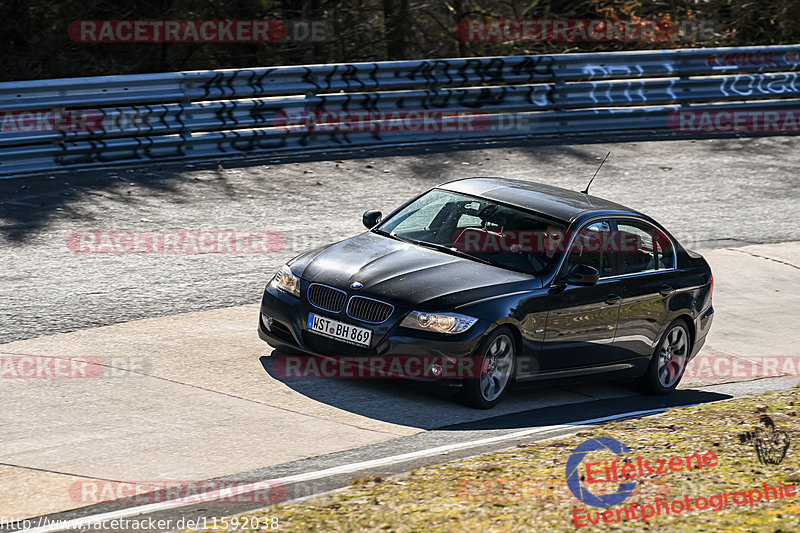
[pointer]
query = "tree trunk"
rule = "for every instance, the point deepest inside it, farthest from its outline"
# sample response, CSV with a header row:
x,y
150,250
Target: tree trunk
x,y
397,20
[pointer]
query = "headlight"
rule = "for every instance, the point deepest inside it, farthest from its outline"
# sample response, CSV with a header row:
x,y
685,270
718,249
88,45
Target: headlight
x,y
286,281
441,322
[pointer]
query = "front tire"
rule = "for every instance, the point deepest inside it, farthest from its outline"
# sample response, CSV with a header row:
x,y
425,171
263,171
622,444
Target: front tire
x,y
669,360
496,365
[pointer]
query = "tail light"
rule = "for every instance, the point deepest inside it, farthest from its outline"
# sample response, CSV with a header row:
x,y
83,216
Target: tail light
x,y
711,291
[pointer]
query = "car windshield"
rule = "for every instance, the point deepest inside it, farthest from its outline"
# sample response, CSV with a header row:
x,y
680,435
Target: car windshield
x,y
478,228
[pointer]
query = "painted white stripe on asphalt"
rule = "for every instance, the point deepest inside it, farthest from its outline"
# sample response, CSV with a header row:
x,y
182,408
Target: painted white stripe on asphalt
x,y
210,497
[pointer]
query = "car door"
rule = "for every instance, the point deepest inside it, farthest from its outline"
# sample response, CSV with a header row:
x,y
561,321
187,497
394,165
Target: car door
x,y
647,264
582,321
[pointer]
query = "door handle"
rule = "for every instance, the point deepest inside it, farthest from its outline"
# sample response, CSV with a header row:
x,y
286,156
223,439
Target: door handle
x,y
666,290
612,299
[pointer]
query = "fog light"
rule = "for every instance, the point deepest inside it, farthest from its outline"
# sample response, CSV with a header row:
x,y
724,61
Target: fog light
x,y
267,320
436,369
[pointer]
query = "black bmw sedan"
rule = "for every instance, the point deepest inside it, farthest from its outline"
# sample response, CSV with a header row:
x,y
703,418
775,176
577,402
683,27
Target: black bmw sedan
x,y
533,282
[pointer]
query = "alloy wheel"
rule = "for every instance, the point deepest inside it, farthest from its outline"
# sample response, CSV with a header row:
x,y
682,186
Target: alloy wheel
x,y
497,364
672,356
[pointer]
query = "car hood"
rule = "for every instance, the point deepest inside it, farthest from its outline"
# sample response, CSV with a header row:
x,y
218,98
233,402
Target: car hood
x,y
407,274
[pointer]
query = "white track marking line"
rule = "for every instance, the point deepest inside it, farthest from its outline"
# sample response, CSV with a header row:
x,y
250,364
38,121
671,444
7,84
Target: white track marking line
x,y
210,497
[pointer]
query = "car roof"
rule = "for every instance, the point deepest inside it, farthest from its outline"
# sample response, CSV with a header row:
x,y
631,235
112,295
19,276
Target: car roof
x,y
555,202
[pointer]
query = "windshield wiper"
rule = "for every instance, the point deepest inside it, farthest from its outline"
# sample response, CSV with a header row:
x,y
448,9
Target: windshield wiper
x,y
446,249
434,246
393,236
452,251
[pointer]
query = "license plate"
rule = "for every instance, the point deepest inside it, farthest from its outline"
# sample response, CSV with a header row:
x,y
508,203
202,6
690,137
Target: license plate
x,y
339,330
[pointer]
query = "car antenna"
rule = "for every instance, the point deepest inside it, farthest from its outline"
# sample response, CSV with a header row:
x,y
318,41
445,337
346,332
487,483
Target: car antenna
x,y
586,190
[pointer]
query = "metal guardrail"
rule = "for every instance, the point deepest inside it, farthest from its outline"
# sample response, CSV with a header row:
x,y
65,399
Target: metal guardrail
x,y
98,121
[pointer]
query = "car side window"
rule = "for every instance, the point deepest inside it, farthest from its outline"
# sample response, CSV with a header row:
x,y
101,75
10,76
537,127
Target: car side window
x,y
643,247
665,251
590,248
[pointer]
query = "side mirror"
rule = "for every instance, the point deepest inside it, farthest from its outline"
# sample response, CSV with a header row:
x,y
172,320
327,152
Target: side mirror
x,y
583,275
371,218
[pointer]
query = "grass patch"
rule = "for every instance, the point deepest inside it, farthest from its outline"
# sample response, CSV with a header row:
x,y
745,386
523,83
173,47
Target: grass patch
x,y
524,489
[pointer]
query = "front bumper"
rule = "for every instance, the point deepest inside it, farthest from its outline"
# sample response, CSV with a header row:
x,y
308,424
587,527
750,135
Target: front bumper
x,y
282,324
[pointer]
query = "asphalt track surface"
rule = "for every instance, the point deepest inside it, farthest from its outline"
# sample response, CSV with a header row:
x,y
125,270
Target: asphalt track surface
x,y
707,192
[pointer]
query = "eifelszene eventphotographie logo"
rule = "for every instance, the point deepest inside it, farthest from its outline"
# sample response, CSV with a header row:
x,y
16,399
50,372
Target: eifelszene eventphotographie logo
x,y
573,473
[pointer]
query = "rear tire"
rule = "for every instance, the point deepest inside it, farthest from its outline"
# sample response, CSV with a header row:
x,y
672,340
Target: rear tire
x,y
496,359
669,360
